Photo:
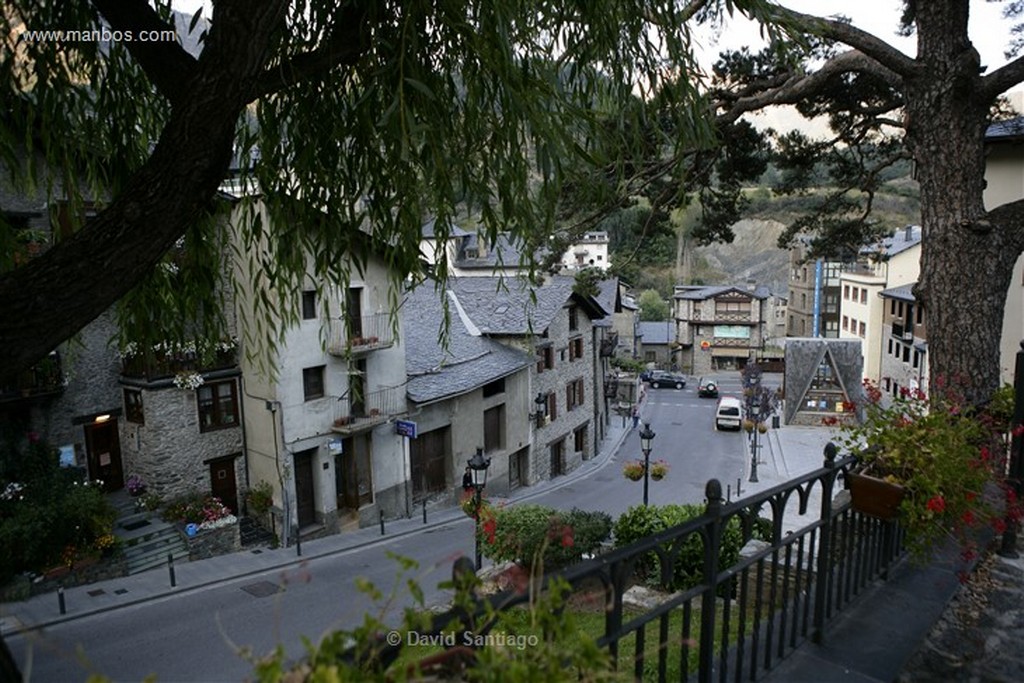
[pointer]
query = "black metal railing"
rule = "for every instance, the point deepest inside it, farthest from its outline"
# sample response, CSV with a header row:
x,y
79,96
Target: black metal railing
x,y
45,378
741,619
156,366
360,335
352,414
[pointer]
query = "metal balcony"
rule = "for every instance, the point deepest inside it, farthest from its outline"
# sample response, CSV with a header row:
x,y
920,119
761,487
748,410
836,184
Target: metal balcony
x,y
353,415
45,378
359,336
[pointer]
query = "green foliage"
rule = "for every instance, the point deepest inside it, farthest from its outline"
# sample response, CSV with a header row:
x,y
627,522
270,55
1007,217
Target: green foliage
x,y
539,642
653,307
533,535
641,521
260,497
48,514
587,281
633,365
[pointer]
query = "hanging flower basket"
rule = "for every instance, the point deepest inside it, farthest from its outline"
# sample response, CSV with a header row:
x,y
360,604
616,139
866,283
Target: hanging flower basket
x,y
633,470
875,497
659,468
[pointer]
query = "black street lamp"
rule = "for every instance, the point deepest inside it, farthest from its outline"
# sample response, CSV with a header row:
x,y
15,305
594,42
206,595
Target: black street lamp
x,y
755,418
478,466
541,404
646,437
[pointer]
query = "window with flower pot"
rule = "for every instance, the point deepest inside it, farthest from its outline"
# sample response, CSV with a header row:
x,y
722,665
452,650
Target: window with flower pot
x,y
133,406
218,405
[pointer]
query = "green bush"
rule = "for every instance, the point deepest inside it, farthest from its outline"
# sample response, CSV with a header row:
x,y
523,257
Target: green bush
x,y
48,514
524,533
194,508
642,521
260,498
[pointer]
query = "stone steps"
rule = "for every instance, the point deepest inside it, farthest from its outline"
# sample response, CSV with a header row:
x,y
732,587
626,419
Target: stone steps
x,y
252,534
151,551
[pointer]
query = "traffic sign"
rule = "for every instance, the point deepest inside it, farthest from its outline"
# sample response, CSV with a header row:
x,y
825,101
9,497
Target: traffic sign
x,y
405,428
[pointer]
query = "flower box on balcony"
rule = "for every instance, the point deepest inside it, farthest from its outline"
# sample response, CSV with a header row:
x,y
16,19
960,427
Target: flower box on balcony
x,y
342,421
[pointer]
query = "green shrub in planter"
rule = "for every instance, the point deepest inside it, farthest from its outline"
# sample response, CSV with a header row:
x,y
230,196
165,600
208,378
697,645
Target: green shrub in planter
x,y
524,533
642,521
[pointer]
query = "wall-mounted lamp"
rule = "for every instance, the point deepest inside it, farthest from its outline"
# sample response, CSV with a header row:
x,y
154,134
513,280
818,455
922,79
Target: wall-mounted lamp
x,y
540,411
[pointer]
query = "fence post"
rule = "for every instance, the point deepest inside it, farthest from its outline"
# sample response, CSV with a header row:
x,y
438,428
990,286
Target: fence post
x,y
380,514
706,655
825,546
298,541
424,510
60,600
170,569
1015,473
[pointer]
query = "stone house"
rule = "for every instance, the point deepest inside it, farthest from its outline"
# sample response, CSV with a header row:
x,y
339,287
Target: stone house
x,y
555,325
719,327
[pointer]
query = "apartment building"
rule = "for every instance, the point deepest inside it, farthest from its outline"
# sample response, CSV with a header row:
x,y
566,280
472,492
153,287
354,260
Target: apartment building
x,y
719,327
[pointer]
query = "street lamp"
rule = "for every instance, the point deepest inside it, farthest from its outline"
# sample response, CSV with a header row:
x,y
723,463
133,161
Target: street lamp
x,y
478,465
541,403
646,437
755,418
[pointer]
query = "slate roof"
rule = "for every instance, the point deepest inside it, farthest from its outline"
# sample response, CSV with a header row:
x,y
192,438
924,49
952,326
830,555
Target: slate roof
x,y
470,360
503,253
505,306
427,230
901,240
656,332
608,295
1006,130
700,293
903,292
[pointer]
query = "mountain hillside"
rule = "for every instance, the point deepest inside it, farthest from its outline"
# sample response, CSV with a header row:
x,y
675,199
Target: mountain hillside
x,y
753,255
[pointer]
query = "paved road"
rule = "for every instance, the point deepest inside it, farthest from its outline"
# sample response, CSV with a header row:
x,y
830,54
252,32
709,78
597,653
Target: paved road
x,y
197,636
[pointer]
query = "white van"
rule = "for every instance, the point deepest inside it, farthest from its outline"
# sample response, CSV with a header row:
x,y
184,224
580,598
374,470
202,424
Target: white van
x,y
729,413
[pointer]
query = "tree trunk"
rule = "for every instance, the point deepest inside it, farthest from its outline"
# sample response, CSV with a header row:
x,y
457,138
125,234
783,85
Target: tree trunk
x,y
966,264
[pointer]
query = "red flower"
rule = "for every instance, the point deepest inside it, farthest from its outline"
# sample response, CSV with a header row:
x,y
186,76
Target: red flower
x,y
937,504
490,529
968,517
985,454
970,496
1018,430
999,524
567,541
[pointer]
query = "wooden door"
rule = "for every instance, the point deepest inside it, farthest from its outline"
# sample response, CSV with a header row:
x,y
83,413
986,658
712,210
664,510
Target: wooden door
x,y
103,454
222,482
305,505
428,463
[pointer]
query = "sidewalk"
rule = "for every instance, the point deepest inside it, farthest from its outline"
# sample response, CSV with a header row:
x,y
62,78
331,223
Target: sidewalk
x,y
41,611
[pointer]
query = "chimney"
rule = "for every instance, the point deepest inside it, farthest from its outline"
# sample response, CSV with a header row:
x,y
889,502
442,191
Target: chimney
x,y
909,234
752,285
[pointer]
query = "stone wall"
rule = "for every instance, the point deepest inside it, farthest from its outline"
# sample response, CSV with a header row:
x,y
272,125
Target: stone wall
x,y
82,573
214,542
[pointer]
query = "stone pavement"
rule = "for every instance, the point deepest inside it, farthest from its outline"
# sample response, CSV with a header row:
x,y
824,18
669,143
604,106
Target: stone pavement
x,y
920,625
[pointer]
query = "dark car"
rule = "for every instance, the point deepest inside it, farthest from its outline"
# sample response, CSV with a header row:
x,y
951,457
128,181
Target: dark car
x,y
645,376
707,388
661,378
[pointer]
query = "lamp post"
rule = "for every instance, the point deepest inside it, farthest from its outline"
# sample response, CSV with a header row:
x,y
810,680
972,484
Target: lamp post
x,y
755,418
540,405
646,437
478,466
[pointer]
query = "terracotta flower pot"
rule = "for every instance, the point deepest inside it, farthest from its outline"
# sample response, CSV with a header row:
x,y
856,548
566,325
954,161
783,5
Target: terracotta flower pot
x,y
875,497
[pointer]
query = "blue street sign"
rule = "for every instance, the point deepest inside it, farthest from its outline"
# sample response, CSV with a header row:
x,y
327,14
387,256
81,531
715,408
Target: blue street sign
x,y
405,428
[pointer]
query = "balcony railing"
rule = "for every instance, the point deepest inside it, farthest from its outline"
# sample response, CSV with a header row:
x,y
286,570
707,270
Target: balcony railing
x,y
352,415
161,366
902,331
740,620
723,317
45,378
362,335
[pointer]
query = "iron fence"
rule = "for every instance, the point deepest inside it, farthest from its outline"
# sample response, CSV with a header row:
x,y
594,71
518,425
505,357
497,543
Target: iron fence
x,y
353,414
357,335
739,620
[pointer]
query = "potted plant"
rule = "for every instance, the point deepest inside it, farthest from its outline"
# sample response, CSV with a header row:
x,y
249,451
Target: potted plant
x,y
931,462
633,470
659,468
135,485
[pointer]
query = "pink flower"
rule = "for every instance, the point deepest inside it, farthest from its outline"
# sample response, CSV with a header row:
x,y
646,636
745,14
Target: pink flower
x,y
937,504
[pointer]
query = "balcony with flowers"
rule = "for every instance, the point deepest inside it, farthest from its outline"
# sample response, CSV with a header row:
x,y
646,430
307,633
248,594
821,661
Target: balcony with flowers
x,y
44,379
360,335
172,360
355,414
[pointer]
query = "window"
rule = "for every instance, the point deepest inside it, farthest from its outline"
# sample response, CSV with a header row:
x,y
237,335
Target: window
x,y
558,458
917,358
576,348
546,360
309,305
133,406
890,346
920,315
864,296
218,405
494,388
650,356
552,407
574,319
861,329
855,291
579,439
892,306
313,382
846,292
573,394
846,323
906,354
494,420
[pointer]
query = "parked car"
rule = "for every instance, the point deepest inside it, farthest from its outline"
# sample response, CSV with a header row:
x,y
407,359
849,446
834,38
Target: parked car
x,y
707,388
662,378
645,376
729,413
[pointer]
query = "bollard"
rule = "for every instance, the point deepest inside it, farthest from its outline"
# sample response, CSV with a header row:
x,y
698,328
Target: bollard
x,y
60,600
170,569
298,542
424,510
380,513
728,492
